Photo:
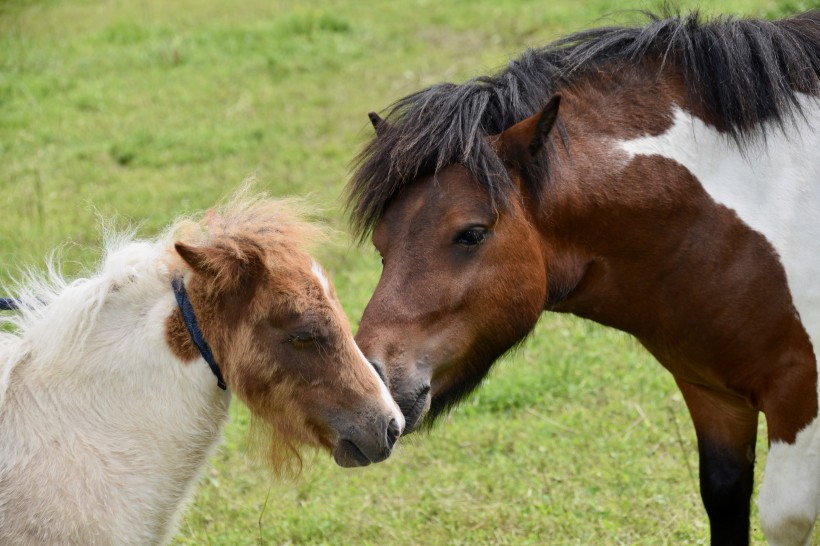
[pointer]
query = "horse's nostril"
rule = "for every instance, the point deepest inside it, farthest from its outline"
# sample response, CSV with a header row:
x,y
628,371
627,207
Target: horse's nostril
x,y
393,432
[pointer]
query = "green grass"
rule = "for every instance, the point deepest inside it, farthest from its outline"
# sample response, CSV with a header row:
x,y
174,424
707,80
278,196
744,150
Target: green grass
x,y
147,110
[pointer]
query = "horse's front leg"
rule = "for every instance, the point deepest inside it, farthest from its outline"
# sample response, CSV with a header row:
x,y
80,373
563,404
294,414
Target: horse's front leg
x,y
790,496
726,429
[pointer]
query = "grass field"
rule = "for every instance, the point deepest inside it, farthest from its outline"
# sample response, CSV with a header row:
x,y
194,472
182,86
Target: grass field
x,y
143,111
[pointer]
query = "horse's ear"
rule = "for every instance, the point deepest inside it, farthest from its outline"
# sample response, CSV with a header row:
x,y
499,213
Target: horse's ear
x,y
379,125
545,123
228,267
523,141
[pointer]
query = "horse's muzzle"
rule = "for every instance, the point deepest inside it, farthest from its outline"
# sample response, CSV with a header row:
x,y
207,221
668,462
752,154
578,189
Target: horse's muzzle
x,y
414,407
363,449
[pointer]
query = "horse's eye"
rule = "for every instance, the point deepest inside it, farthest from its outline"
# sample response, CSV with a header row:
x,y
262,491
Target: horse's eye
x,y
472,237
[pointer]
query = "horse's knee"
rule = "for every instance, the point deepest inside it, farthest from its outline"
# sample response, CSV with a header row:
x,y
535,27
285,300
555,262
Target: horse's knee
x,y
783,531
789,497
785,522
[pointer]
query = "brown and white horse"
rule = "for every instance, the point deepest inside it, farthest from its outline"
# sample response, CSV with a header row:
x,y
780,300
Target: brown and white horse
x,y
663,180
113,387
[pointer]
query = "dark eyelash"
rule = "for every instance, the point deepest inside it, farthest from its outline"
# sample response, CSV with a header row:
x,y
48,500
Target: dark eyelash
x,y
301,337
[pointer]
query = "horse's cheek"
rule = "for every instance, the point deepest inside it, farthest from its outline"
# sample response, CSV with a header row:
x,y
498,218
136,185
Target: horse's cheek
x,y
509,304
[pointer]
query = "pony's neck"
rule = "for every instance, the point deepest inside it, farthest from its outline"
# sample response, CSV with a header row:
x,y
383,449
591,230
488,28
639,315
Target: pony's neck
x,y
118,418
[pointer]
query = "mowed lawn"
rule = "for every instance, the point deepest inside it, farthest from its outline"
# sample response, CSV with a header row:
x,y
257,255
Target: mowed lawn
x,y
137,112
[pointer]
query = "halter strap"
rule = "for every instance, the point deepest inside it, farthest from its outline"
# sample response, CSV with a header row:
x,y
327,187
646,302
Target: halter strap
x,y
189,318
9,304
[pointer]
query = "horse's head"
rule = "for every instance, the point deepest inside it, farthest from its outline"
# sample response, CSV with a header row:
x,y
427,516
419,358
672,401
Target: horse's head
x,y
463,279
281,339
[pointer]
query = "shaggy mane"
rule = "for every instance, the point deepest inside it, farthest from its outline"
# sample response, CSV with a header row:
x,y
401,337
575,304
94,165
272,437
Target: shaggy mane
x,y
248,217
742,72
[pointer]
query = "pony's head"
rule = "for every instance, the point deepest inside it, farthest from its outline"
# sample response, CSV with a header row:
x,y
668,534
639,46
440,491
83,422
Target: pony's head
x,y
279,335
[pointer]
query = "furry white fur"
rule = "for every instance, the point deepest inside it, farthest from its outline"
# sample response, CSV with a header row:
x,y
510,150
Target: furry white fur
x,y
103,431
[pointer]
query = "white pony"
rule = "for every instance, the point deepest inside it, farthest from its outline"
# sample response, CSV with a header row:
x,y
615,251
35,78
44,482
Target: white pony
x,y
108,409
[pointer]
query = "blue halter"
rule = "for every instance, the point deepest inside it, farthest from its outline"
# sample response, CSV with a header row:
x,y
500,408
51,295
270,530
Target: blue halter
x,y
9,304
192,325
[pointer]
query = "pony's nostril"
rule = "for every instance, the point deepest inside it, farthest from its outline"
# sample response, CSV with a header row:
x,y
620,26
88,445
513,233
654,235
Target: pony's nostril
x,y
393,433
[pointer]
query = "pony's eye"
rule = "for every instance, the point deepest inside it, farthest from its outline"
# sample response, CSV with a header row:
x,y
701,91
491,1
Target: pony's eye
x,y
301,338
472,237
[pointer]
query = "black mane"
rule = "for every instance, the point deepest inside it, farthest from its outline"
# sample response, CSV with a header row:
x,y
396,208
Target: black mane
x,y
742,72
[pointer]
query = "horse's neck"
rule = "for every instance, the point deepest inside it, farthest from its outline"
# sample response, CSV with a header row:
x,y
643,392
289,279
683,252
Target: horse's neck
x,y
772,184
121,421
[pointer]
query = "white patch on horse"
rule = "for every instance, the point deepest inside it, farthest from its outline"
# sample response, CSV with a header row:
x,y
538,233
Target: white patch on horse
x,y
774,187
789,497
320,274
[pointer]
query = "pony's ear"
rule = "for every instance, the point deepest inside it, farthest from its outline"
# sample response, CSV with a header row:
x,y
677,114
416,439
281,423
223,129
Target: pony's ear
x,y
379,125
199,258
228,267
523,141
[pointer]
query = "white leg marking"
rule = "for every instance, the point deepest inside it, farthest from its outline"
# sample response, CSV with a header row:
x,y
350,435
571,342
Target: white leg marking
x,y
774,187
789,497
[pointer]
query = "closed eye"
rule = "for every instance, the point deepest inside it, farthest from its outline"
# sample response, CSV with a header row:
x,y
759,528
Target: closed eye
x,y
300,337
305,339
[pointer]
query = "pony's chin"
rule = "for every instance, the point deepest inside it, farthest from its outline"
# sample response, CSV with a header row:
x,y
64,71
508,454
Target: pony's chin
x,y
348,455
